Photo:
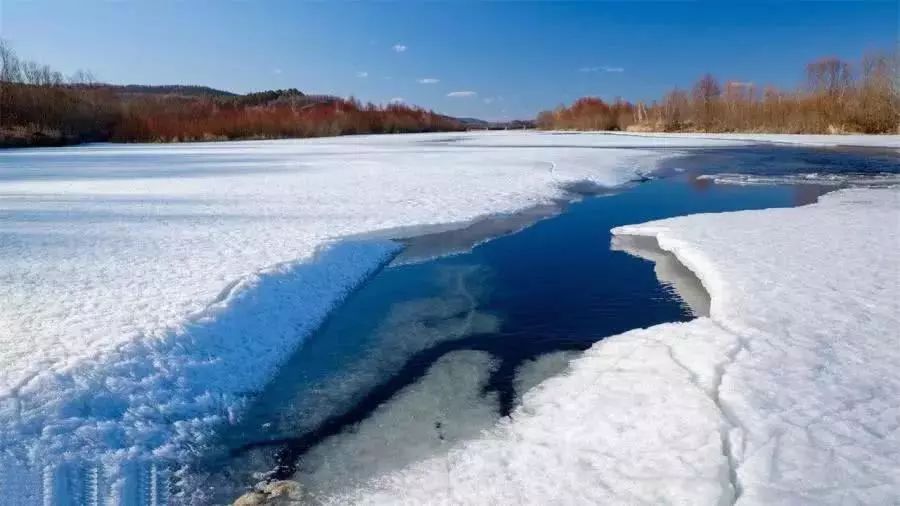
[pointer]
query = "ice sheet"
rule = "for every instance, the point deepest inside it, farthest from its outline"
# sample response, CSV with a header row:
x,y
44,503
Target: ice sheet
x,y
813,293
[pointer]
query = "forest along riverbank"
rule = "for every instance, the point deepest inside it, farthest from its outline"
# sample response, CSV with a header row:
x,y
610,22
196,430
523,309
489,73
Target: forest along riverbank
x,y
431,353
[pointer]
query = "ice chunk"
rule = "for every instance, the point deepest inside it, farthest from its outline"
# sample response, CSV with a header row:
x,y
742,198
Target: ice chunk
x,y
844,179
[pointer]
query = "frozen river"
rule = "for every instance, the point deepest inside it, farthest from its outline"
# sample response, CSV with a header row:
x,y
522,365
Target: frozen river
x,y
162,306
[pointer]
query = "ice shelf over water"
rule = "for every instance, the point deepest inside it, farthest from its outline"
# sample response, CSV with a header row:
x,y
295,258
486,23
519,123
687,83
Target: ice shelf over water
x,y
145,290
788,393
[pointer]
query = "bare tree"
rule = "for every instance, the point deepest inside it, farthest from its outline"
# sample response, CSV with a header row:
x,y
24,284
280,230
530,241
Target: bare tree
x,y
83,77
830,76
706,95
10,66
675,107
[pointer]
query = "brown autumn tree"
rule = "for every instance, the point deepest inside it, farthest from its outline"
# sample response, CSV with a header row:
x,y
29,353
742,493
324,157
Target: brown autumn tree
x,y
837,97
39,107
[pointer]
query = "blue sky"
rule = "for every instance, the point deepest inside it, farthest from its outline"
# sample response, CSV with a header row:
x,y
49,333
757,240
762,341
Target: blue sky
x,y
491,60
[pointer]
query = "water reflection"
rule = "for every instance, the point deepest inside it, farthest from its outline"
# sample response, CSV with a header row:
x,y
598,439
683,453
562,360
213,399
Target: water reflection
x,y
669,270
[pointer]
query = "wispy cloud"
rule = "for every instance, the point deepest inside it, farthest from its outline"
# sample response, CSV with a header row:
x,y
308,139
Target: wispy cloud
x,y
428,80
488,100
276,71
601,69
362,74
399,48
462,94
396,100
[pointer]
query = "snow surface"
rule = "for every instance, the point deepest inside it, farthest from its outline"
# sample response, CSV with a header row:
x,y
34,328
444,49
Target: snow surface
x,y
787,394
145,290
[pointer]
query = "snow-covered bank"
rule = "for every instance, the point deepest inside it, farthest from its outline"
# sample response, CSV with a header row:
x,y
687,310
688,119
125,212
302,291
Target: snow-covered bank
x,y
787,394
146,289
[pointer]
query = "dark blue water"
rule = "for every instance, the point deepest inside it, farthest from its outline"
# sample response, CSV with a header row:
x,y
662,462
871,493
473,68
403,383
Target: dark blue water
x,y
554,286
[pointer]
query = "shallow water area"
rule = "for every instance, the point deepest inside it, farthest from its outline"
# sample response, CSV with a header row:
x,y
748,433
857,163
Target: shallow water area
x,y
435,349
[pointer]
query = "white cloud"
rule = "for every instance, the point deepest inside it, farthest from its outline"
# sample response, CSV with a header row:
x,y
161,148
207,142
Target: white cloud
x,y
396,100
399,48
462,94
276,71
603,68
362,74
428,80
488,100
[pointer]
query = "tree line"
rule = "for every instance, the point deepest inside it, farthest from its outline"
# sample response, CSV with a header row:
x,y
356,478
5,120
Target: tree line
x,y
41,107
837,97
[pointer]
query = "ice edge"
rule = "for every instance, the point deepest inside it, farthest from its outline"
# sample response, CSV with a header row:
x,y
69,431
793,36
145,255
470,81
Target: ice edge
x,y
731,429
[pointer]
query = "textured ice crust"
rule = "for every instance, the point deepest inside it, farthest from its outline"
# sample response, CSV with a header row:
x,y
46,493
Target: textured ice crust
x,y
145,290
141,402
787,394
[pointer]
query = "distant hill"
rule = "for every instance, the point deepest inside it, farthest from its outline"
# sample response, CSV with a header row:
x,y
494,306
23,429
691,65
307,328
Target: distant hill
x,y
161,90
291,96
473,122
480,124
